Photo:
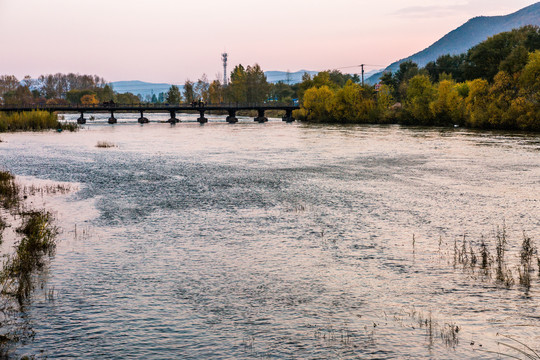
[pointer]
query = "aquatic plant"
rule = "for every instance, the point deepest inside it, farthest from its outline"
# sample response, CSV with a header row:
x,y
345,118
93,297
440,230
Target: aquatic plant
x,y
522,350
105,144
9,190
38,241
526,258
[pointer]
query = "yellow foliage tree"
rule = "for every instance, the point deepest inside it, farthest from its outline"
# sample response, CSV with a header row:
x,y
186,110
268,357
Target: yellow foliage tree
x,y
318,103
89,99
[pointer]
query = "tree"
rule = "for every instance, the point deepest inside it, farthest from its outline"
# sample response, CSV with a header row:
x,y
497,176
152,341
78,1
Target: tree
x,y
352,104
215,92
448,106
189,93
127,98
257,87
419,95
8,83
201,88
236,90
105,93
318,103
477,103
89,99
173,95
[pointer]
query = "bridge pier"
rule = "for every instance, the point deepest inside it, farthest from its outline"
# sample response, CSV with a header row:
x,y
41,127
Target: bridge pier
x,y
81,120
202,119
142,119
231,119
260,116
173,119
112,119
288,116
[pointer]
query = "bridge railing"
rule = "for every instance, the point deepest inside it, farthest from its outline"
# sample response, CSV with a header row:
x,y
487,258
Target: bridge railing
x,y
148,106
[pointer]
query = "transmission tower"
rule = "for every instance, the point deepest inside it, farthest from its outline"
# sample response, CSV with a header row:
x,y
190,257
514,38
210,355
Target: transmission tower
x,y
224,59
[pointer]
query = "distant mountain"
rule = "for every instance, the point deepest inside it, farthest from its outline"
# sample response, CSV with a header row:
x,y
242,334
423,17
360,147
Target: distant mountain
x,y
287,77
470,34
140,87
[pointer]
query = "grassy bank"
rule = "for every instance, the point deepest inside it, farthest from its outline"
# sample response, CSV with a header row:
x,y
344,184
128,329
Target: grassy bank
x,y
32,121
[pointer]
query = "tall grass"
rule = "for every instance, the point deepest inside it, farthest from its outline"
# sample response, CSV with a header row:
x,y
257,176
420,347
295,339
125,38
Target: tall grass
x,y
9,190
35,120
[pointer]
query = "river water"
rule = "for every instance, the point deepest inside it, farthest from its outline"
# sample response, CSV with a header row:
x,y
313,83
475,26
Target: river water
x,y
277,240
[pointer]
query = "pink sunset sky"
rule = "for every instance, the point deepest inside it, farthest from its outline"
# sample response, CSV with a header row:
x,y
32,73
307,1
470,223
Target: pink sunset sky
x,y
173,40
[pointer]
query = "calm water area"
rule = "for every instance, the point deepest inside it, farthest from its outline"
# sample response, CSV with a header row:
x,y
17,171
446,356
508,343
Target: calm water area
x,y
278,241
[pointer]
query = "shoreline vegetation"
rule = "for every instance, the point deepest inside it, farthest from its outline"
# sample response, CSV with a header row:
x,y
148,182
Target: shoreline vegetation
x,y
36,120
495,85
34,245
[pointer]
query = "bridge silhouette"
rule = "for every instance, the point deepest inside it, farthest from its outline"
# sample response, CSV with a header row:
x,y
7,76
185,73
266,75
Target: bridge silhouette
x,y
202,108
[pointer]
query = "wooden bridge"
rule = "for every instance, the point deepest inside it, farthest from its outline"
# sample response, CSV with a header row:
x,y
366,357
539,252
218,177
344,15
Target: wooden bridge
x,y
230,109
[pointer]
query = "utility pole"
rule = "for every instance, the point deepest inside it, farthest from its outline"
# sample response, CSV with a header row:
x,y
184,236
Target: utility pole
x,y
362,66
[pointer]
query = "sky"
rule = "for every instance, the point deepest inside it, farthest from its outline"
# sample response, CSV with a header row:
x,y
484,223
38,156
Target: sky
x,y
171,41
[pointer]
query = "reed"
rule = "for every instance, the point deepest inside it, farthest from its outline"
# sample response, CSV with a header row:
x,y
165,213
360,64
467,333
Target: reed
x,y
37,242
9,190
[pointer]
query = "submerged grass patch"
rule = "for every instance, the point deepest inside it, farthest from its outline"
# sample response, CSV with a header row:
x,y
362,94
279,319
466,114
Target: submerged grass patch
x,y
105,144
9,190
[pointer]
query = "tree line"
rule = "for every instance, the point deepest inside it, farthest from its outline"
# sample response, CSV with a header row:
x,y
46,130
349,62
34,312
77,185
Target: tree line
x,y
57,89
495,85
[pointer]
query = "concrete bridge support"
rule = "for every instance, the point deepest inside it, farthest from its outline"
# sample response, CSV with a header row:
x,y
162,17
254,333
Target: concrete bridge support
x,y
142,119
81,120
202,119
231,119
173,119
260,116
288,116
112,119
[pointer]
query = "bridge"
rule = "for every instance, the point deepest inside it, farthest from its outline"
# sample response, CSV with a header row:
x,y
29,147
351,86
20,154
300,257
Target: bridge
x,y
230,109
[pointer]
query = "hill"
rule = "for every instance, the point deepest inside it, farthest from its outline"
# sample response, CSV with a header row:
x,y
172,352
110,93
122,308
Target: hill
x,y
468,35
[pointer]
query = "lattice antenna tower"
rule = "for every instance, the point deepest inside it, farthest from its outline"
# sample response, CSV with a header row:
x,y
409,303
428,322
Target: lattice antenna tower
x,y
224,59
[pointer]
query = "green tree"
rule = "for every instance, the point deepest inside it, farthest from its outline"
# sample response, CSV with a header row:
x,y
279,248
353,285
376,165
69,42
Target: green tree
x,y
173,95
189,92
419,95
127,98
257,88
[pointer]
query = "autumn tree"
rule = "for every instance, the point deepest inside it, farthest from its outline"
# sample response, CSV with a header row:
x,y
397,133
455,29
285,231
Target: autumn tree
x,y
215,92
419,95
201,88
89,99
189,91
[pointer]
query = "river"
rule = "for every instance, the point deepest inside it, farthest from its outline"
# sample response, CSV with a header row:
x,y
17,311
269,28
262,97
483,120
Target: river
x,y
282,241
